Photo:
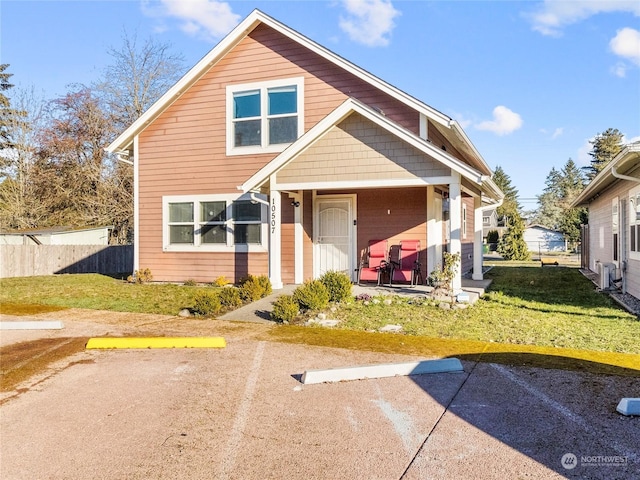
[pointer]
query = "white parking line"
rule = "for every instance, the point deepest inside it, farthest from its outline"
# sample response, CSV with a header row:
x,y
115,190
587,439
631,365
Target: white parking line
x,y
229,459
564,411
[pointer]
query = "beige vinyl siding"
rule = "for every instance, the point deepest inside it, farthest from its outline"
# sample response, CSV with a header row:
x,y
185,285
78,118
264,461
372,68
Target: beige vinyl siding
x,y
601,236
633,277
393,214
600,232
357,149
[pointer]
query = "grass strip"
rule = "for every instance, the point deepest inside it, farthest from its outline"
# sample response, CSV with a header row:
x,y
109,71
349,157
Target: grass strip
x,y
608,363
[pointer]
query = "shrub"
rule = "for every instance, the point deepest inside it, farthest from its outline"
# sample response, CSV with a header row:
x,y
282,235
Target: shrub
x,y
140,276
492,239
254,288
313,295
206,303
230,297
285,309
338,285
220,282
190,283
266,285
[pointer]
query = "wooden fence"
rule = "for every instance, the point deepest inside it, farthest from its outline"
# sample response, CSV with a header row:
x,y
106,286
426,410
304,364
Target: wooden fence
x,y
32,260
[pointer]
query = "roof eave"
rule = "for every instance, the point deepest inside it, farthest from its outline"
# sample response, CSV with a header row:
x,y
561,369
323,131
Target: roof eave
x,y
628,154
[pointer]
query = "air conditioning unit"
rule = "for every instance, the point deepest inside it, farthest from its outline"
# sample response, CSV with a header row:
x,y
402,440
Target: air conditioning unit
x,y
606,271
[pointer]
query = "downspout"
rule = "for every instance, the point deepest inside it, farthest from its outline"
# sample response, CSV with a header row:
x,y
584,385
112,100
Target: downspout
x,y
123,160
255,199
623,264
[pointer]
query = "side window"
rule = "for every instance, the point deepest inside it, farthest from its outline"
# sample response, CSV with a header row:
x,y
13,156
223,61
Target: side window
x,y
464,220
634,223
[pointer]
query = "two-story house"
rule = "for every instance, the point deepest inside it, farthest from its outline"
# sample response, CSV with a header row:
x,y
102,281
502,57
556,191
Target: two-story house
x,y
275,156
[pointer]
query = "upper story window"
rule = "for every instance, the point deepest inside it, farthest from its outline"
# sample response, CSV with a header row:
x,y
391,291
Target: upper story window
x,y
264,117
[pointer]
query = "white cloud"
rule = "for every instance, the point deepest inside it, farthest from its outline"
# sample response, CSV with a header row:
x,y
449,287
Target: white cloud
x,y
626,44
369,22
620,69
557,132
205,18
554,15
583,152
504,121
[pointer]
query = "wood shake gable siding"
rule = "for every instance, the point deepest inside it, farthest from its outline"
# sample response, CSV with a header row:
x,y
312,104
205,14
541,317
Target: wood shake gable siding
x,y
183,151
357,149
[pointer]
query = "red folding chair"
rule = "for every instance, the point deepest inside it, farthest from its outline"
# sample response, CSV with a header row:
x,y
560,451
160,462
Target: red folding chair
x,y
376,263
406,267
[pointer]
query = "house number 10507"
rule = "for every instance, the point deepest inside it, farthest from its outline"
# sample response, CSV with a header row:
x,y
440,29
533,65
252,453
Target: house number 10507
x,y
273,215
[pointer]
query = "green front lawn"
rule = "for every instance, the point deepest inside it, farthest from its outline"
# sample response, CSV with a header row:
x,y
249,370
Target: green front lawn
x,y
94,291
553,307
547,307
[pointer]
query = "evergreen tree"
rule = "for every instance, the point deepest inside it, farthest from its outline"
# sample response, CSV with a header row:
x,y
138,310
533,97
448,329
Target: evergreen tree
x,y
549,213
10,119
555,212
512,245
606,145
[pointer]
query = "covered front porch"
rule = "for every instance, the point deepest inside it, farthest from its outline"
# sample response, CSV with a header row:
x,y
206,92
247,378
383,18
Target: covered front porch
x,y
357,177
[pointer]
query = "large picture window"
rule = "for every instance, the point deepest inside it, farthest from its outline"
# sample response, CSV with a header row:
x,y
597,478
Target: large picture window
x,y
214,222
264,117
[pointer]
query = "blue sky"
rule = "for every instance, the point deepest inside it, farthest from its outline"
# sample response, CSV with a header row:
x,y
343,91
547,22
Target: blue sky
x,y
530,81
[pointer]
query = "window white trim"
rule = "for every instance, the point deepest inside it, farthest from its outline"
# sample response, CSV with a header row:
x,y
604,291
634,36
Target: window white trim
x,y
263,87
229,223
464,220
634,221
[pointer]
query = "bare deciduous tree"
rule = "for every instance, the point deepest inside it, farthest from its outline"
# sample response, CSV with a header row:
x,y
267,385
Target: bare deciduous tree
x,y
138,76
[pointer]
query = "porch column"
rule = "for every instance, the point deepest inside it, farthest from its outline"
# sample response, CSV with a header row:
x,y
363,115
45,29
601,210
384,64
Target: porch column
x,y
455,219
477,238
298,240
433,237
275,238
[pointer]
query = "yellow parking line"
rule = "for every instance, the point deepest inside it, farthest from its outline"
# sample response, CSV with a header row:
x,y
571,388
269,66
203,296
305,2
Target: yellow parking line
x,y
156,342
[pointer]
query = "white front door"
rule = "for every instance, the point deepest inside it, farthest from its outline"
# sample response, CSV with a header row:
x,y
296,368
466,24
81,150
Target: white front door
x,y
334,237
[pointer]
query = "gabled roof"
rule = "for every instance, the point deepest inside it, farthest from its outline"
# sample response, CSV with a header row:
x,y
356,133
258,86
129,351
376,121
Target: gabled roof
x,y
626,163
255,18
350,106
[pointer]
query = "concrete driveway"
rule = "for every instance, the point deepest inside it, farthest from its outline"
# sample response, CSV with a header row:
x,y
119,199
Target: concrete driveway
x,y
242,413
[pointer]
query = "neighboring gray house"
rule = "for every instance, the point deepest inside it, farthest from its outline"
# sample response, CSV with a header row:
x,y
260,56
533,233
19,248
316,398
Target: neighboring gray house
x,y
611,243
57,236
490,221
542,239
